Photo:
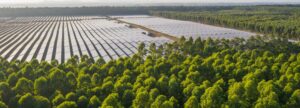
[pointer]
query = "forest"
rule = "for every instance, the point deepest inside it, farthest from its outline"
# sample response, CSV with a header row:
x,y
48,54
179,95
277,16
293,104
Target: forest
x,y
96,11
261,72
275,20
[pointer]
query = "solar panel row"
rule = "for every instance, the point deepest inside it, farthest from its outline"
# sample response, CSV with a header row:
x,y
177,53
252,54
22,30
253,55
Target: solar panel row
x,y
185,28
48,38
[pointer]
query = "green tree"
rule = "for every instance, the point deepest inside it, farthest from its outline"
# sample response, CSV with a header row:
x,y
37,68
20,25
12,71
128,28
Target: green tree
x,y
41,102
159,101
127,98
57,80
94,102
5,92
3,105
23,86
71,96
294,100
82,102
212,97
67,104
141,100
111,101
41,86
192,102
26,101
58,100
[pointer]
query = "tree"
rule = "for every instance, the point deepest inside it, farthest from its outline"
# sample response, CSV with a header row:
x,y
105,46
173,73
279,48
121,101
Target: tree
x,y
174,101
294,100
159,101
26,101
82,102
58,100
167,104
250,90
270,101
71,79
162,84
84,81
141,100
5,92
268,96
12,79
28,71
71,96
192,102
3,105
141,49
127,98
235,94
174,88
67,104
111,101
96,79
23,86
107,87
41,86
212,97
2,76
94,102
41,102
57,80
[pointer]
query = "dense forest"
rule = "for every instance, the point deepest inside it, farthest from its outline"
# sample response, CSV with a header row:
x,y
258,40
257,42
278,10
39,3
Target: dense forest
x,y
260,72
105,10
275,20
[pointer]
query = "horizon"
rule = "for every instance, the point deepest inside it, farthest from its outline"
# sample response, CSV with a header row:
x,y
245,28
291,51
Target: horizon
x,y
79,3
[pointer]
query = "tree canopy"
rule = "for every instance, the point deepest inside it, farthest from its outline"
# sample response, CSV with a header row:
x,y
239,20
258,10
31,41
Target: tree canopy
x,y
259,72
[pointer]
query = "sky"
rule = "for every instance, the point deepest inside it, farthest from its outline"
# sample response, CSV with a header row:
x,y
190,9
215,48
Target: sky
x,y
72,3
141,1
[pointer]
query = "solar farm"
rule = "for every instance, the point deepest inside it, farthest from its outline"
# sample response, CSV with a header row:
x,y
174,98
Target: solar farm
x,y
185,28
61,37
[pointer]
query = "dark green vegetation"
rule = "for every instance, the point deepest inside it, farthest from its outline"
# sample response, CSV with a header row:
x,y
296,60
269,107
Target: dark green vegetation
x,y
276,20
259,72
84,11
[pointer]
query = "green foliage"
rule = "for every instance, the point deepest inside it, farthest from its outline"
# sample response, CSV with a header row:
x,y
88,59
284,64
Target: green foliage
x,y
67,104
23,86
41,86
192,102
42,102
111,101
212,73
3,105
29,101
82,102
94,102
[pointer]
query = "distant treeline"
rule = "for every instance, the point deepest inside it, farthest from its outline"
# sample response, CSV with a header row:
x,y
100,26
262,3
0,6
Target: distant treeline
x,y
277,20
108,10
111,10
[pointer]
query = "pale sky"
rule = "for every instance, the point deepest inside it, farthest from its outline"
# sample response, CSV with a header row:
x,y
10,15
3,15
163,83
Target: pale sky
x,y
75,3
142,1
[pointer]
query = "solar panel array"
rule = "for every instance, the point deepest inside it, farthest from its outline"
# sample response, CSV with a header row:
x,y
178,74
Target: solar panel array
x,y
185,28
48,38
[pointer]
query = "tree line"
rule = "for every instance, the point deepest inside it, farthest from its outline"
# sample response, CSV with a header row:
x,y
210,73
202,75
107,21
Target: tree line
x,y
101,10
275,20
260,72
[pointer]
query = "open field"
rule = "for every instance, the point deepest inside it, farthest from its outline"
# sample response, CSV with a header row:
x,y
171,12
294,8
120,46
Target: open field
x,y
48,38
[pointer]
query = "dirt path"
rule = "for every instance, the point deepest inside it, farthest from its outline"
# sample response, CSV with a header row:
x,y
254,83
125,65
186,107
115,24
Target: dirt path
x,y
151,32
